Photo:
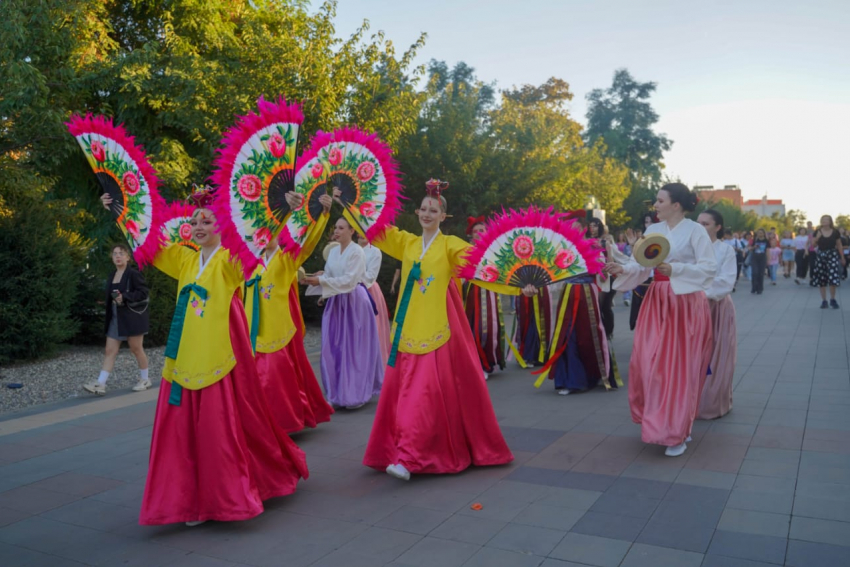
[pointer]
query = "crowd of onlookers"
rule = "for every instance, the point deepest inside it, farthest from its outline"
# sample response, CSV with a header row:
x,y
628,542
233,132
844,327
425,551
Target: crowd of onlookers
x,y
819,255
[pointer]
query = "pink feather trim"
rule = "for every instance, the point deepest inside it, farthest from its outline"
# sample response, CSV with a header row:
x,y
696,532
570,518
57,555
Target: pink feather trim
x,y
101,125
232,141
382,152
532,217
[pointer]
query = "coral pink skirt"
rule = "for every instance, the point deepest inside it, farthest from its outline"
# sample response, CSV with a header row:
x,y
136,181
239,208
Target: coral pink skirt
x,y
716,399
219,454
672,349
435,414
383,319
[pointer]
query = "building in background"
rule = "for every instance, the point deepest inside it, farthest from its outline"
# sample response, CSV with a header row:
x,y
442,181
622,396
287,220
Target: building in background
x,y
709,194
765,207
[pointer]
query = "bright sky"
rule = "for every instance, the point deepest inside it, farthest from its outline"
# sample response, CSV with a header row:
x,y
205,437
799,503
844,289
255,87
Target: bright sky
x,y
752,92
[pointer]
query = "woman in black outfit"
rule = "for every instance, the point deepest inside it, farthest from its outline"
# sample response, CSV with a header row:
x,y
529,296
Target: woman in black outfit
x,y
639,292
126,320
596,230
829,263
758,260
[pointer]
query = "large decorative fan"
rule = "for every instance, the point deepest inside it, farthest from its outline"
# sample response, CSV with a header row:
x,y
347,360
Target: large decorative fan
x,y
361,165
531,246
125,175
176,227
254,170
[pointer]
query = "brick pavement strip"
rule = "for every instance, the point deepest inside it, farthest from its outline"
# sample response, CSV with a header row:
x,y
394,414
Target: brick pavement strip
x,y
769,484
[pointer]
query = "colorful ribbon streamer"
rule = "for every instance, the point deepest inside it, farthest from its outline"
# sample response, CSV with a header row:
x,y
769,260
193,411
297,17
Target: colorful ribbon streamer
x,y
414,274
175,333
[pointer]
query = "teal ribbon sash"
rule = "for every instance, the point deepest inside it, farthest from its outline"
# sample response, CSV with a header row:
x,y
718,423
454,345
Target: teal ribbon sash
x,y
172,347
401,313
255,309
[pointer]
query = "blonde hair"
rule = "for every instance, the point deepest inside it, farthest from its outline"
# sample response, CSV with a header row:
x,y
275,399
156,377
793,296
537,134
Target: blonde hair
x,y
444,206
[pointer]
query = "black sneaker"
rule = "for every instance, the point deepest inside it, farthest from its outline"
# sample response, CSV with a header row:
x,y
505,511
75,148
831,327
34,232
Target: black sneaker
x,y
833,304
824,304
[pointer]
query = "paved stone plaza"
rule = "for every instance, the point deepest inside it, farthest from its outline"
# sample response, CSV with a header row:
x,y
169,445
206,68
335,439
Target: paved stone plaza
x,y
768,484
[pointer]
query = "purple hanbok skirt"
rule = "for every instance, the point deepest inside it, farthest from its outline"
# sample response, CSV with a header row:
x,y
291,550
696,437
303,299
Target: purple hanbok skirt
x,y
352,366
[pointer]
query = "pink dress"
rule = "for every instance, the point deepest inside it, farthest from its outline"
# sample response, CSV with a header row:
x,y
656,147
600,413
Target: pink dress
x,y
716,399
673,338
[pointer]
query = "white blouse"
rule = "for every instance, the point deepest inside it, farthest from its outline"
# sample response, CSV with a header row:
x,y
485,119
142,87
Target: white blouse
x,y
373,264
343,271
691,257
727,271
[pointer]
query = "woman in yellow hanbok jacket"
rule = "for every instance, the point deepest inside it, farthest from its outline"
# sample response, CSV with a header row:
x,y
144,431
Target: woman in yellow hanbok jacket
x,y
216,451
434,414
290,387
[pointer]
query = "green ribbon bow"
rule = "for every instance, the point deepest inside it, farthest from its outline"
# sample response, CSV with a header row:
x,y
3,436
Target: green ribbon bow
x,y
401,313
255,309
172,347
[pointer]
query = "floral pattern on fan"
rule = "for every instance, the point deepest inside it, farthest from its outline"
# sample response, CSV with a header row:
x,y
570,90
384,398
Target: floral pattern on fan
x,y
176,227
123,171
361,165
531,247
254,170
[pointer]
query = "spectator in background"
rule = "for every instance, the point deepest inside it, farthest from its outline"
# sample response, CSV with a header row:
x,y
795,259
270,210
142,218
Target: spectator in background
x,y
829,262
845,244
758,260
812,249
626,250
773,255
787,246
801,254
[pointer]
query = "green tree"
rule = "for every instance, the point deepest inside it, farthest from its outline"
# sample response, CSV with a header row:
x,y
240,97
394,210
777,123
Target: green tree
x,y
843,221
622,116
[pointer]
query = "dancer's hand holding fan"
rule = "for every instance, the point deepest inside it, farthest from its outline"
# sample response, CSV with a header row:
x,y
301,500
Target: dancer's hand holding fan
x,y
531,247
127,178
255,169
360,165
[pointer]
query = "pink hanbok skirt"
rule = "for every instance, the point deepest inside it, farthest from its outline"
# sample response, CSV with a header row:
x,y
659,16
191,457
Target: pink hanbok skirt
x,y
672,349
220,453
435,414
383,320
716,399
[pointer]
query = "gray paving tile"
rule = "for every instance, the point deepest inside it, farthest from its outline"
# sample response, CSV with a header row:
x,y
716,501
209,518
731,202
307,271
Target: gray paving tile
x,y
721,561
643,555
639,487
676,536
591,550
504,509
492,557
9,516
535,475
748,546
532,540
827,509
708,479
777,503
569,498
626,504
14,556
610,525
434,552
763,468
545,516
820,531
468,529
586,481
414,520
34,500
76,484
529,439
94,514
809,554
381,544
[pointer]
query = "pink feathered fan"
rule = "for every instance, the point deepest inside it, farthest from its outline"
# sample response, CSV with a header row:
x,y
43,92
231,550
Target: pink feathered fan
x,y
531,246
254,170
125,175
362,167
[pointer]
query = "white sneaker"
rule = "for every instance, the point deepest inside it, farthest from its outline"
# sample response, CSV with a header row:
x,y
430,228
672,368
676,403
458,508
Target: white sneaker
x,y
627,303
689,439
142,385
563,392
399,472
676,450
95,387
195,523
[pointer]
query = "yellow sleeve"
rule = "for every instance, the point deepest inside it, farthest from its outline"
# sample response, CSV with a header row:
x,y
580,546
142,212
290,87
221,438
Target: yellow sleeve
x,y
170,259
314,235
392,242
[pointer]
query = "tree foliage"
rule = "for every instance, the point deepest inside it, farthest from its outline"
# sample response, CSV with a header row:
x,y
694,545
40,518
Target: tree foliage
x,y
623,118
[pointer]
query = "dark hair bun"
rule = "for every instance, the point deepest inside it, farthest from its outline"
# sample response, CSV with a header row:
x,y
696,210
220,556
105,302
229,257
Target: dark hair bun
x,y
679,193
